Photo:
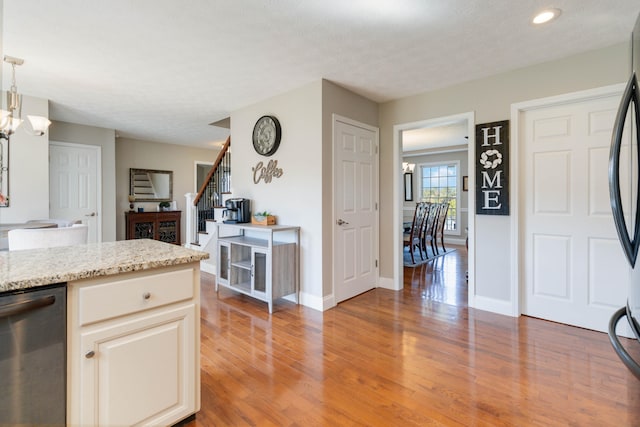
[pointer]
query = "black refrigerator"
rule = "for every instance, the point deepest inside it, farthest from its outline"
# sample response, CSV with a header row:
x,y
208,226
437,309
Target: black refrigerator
x,y
627,218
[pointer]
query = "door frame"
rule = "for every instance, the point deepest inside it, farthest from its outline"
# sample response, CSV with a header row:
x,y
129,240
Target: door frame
x,y
517,214
376,191
98,150
398,199
197,163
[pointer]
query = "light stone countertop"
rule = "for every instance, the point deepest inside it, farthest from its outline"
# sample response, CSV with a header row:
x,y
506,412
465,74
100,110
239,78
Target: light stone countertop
x,y
38,267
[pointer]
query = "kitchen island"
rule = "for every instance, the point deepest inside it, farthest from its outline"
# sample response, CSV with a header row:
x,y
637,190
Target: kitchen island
x,y
133,330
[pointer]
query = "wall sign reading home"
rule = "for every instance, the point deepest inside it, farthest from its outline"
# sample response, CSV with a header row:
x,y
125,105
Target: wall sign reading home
x,y
492,168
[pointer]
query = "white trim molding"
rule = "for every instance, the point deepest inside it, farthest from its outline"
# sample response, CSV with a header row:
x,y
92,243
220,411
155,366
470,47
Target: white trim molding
x,y
316,302
493,305
398,199
330,301
387,283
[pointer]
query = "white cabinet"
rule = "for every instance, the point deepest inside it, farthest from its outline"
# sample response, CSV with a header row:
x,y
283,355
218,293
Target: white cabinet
x,y
133,348
253,262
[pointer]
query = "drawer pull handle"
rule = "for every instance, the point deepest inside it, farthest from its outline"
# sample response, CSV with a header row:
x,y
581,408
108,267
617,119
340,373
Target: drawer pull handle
x,y
90,354
146,295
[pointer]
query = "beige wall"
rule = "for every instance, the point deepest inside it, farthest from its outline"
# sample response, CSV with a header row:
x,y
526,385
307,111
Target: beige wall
x,y
180,159
491,99
106,140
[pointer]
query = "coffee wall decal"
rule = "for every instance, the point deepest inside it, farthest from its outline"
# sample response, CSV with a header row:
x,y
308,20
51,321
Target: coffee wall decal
x,y
266,173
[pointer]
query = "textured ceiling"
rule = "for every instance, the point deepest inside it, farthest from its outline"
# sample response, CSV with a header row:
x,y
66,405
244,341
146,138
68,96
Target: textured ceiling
x,y
416,141
162,70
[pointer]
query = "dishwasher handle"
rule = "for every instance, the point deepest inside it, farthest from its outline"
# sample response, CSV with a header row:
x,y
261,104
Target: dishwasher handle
x,y
24,306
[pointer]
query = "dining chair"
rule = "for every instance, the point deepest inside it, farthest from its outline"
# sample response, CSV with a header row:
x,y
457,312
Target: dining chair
x,y
442,219
428,231
34,238
412,238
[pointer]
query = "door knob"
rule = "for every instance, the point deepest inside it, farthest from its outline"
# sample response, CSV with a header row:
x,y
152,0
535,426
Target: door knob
x,y
90,354
91,214
341,222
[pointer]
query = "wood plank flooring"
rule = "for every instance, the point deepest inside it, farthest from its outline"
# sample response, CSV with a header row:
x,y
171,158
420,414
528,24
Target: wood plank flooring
x,y
417,357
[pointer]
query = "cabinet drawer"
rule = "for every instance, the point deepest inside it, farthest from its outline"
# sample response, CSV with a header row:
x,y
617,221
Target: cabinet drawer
x,y
117,298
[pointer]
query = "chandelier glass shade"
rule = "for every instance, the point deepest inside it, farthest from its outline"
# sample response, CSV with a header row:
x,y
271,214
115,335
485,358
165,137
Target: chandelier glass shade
x,y
11,118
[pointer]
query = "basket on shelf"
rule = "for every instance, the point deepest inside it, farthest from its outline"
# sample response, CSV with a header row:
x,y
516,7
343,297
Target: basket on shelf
x,y
263,219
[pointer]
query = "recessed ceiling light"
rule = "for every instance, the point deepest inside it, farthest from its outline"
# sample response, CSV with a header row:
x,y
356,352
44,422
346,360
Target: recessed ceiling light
x,y
546,16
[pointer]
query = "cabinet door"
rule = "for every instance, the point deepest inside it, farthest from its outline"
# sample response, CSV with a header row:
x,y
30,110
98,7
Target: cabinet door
x,y
224,261
259,272
167,231
144,230
139,371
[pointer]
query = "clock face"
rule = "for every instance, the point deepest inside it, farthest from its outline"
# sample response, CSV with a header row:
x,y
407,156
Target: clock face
x,y
266,135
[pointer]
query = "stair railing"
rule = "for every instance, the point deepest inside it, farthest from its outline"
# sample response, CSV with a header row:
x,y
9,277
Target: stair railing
x,y
217,183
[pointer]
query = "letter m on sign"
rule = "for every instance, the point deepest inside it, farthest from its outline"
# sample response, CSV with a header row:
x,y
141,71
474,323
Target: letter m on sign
x,y
492,168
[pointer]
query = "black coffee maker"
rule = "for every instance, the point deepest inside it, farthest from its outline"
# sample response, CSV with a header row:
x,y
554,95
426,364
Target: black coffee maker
x,y
237,211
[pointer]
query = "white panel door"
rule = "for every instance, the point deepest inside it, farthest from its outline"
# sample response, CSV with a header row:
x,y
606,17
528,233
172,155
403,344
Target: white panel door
x,y
75,185
574,268
356,196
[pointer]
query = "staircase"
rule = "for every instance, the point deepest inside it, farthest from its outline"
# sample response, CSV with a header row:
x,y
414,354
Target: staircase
x,y
207,206
142,185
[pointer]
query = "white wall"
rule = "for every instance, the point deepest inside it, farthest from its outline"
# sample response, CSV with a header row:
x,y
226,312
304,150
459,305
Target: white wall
x,y
491,99
105,139
296,197
28,169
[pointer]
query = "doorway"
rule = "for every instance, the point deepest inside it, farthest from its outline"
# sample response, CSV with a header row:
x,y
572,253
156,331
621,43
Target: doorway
x,y
75,185
412,147
200,172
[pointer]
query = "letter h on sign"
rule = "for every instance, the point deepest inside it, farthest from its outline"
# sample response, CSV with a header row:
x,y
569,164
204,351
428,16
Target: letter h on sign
x,y
492,168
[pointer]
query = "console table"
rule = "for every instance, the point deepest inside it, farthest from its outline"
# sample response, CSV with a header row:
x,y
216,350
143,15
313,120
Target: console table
x,y
261,261
163,226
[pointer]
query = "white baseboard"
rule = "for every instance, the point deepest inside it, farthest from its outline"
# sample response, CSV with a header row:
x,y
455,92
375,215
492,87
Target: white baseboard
x,y
207,267
387,283
328,302
316,302
493,305
455,241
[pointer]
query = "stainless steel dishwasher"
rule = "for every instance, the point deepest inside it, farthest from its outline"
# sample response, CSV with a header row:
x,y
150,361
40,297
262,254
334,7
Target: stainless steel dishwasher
x,y
33,357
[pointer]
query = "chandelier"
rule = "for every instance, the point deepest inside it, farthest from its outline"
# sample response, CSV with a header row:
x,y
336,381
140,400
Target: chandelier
x,y
11,118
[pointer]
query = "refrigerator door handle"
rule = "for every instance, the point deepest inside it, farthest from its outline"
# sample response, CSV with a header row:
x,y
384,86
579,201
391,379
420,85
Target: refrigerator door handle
x,y
631,245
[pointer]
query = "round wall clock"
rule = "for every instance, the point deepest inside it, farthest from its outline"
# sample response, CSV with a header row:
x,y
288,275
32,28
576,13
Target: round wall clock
x,y
266,135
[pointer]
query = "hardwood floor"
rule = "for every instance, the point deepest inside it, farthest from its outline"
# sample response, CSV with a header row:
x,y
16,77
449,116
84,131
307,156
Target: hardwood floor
x,y
411,358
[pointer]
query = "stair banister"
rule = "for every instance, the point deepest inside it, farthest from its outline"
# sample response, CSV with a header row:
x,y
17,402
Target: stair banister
x,y
214,168
210,193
